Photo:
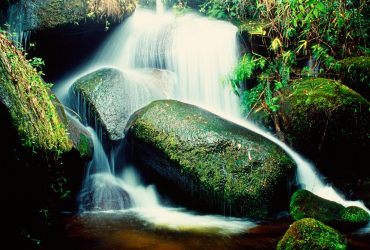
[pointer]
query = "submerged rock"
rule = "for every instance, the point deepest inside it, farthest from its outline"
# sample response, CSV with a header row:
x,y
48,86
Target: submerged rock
x,y
328,123
110,96
103,192
305,204
219,166
309,234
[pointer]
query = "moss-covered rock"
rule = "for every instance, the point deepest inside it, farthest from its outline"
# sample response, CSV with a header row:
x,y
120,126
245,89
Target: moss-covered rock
x,y
328,123
307,234
355,73
35,151
112,95
29,102
354,214
47,14
217,164
305,204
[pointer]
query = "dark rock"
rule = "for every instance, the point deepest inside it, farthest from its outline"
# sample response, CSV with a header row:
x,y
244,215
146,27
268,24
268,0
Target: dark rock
x,y
112,95
48,14
355,73
217,164
308,234
305,204
328,123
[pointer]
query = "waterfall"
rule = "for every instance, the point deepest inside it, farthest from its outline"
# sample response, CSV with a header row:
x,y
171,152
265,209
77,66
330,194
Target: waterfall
x,y
201,52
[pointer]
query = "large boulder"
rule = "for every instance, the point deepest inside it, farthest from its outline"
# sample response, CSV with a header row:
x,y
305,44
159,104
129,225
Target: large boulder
x,y
218,165
355,73
112,95
328,123
305,204
309,234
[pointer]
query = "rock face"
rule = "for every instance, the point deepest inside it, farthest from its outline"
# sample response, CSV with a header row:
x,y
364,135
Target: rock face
x,y
329,124
311,234
224,167
47,14
113,95
355,73
305,204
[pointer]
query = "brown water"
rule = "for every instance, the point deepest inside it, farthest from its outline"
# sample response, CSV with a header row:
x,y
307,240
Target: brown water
x,y
126,231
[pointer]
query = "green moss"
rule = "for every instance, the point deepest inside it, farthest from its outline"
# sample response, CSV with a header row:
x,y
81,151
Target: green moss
x,y
242,167
355,73
305,204
329,123
84,145
354,214
30,103
307,234
54,13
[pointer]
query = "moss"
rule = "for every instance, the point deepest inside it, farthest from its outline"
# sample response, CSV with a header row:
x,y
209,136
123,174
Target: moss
x,y
241,167
355,73
30,103
53,13
355,215
84,145
305,204
329,123
311,234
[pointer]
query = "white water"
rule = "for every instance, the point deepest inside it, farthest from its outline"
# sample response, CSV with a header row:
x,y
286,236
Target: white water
x,y
16,20
201,52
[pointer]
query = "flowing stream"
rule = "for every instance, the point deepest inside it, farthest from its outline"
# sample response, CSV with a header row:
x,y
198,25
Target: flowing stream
x,y
201,52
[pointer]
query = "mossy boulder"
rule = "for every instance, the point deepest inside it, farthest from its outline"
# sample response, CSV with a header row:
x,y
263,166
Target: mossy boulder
x,y
219,165
48,14
328,123
307,234
35,150
109,96
305,204
355,73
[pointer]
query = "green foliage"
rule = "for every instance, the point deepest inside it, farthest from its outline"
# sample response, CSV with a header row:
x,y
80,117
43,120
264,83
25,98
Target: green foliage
x,y
231,10
322,31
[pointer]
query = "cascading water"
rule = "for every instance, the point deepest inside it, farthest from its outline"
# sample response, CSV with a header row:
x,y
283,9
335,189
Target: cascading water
x,y
201,52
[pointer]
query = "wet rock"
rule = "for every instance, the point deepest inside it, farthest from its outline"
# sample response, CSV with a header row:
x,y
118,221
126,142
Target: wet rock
x,y
103,192
311,234
328,123
39,15
305,204
217,164
110,96
355,73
